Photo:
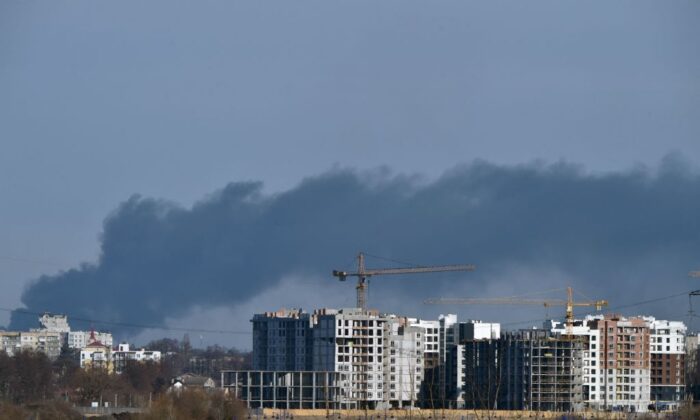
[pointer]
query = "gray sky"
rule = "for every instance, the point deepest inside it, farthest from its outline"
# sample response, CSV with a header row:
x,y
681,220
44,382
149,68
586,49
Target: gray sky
x,y
176,99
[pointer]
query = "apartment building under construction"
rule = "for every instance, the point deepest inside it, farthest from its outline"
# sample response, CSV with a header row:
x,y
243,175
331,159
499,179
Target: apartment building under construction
x,y
524,370
378,357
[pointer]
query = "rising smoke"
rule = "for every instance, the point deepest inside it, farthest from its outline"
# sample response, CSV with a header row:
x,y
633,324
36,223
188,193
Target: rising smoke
x,y
625,236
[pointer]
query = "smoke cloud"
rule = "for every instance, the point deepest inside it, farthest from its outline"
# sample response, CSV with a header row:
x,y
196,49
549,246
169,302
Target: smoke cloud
x,y
624,236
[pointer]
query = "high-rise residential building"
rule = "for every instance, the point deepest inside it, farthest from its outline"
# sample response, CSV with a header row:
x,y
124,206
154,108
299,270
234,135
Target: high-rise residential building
x,y
403,362
667,349
524,370
593,386
352,341
616,362
454,364
282,340
624,360
379,357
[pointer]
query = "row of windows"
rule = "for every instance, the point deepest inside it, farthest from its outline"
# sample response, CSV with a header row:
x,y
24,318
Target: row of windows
x,y
348,332
668,339
359,323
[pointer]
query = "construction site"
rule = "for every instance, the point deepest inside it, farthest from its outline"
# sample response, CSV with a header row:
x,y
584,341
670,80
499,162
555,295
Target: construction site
x,y
361,359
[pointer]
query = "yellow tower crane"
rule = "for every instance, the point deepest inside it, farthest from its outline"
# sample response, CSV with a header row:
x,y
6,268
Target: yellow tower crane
x,y
363,273
569,303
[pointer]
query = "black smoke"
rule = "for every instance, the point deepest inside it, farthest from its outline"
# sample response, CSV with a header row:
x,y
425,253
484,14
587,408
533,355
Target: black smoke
x,y
626,236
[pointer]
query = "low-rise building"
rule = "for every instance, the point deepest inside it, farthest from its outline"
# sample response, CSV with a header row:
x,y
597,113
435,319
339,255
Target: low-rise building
x,y
96,355
189,381
123,355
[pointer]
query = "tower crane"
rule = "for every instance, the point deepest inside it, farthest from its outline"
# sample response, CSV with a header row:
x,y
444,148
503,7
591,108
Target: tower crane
x,y
569,303
364,273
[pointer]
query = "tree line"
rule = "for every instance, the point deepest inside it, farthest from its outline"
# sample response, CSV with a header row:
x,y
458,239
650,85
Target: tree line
x,y
30,382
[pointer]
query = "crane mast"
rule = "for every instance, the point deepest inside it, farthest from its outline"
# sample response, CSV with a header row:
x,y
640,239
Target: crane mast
x,y
363,273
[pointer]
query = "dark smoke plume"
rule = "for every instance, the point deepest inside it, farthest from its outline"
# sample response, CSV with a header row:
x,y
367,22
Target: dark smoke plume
x,y
625,236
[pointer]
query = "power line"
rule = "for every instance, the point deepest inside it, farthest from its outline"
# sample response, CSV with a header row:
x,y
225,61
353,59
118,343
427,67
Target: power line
x,y
133,325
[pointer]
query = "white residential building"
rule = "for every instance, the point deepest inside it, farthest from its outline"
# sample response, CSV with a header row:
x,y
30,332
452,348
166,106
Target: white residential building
x,y
351,341
431,340
80,339
124,355
403,362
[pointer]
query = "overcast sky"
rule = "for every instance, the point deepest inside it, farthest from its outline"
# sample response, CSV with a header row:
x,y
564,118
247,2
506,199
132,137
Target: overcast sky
x,y
175,100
